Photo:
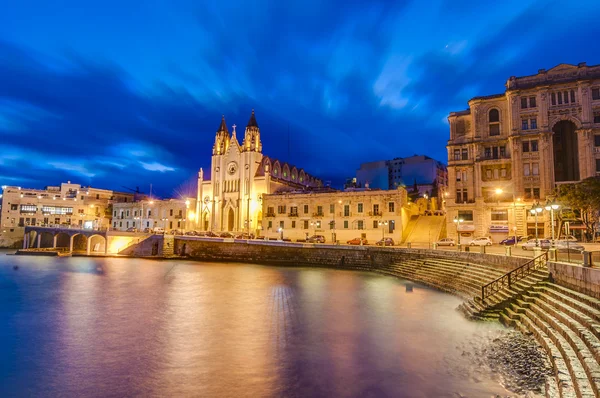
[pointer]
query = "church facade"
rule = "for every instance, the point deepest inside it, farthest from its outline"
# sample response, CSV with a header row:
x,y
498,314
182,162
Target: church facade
x,y
240,175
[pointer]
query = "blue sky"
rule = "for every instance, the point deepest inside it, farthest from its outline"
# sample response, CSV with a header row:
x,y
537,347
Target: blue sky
x,y
130,93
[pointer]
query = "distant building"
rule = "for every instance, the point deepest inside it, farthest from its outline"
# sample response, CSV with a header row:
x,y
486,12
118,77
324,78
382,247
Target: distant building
x,y
404,172
154,215
240,176
341,216
70,205
508,151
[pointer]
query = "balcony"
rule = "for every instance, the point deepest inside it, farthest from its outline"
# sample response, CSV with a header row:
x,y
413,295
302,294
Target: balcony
x,y
270,215
597,149
504,156
375,213
343,214
531,179
293,214
318,214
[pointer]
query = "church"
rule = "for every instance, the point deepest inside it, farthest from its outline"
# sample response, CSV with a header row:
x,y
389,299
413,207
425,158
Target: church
x,y
240,175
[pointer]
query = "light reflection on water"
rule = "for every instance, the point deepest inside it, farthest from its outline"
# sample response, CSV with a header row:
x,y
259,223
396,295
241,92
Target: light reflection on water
x,y
125,327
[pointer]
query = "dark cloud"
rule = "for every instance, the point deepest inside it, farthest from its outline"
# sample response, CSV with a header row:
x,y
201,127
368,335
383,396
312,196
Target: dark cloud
x,y
332,86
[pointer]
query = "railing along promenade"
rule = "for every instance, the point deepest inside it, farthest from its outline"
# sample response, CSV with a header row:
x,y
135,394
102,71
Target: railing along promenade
x,y
506,280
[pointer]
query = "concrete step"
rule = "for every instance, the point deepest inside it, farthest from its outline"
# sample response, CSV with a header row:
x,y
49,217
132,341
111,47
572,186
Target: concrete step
x,y
574,367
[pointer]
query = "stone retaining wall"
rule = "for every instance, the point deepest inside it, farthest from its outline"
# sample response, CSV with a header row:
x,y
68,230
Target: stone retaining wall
x,y
581,279
283,253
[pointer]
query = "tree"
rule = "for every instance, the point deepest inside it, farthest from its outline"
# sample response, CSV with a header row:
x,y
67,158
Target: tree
x,y
584,198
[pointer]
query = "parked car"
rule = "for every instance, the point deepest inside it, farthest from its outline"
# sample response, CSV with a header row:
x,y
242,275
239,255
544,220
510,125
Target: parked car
x,y
210,234
158,230
132,229
446,242
563,247
385,242
569,238
357,241
316,239
531,243
244,235
226,235
482,241
511,240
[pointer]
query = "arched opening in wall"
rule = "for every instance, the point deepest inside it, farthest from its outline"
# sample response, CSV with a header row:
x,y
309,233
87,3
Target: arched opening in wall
x,y
97,243
31,237
80,243
63,240
205,221
47,239
566,156
230,220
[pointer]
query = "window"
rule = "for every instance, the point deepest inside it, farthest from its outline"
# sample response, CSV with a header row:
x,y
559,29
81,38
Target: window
x,y
305,224
496,174
115,213
532,103
487,152
499,215
28,208
331,224
597,118
391,207
281,209
534,146
375,224
536,193
457,154
359,208
572,96
559,95
305,209
270,224
597,165
595,93
533,123
566,97
503,173
293,224
535,169
524,124
466,215
294,210
523,102
494,122
115,224
375,210
346,210
320,210
502,152
526,169
488,174
553,95
360,224
465,154
180,213
597,140
461,196
345,224
170,213
134,213
281,224
332,208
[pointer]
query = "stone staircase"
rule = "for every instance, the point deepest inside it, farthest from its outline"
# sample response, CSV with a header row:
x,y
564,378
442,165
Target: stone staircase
x,y
567,324
427,229
452,276
491,307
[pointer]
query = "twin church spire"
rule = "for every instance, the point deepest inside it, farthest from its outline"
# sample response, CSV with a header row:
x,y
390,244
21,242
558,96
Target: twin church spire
x,y
251,141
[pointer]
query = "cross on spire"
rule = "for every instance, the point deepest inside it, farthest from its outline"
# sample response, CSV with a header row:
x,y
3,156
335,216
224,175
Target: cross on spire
x,y
234,126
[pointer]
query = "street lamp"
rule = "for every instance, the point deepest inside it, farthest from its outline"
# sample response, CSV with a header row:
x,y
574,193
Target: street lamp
x,y
280,230
535,210
551,206
457,221
382,225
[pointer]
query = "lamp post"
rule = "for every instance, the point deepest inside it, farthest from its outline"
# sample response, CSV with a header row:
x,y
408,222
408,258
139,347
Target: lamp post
x,y
280,230
551,206
535,210
457,221
382,225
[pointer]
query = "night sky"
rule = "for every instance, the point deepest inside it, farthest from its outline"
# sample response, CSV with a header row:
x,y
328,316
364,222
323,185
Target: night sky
x,y
130,93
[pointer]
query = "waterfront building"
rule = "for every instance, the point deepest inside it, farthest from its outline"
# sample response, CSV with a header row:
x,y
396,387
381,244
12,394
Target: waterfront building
x,y
67,205
336,215
154,215
240,175
404,172
508,151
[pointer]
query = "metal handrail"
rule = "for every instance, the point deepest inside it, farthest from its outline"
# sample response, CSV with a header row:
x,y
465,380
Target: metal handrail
x,y
506,280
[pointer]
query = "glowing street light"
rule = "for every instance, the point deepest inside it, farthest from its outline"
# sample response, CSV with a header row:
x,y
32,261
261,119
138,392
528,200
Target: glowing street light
x,y
551,206
457,221
535,210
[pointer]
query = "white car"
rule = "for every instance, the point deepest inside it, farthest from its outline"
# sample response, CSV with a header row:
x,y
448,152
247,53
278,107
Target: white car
x,y
483,241
446,242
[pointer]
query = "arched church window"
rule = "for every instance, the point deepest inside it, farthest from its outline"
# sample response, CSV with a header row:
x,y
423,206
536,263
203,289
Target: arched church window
x,y
494,122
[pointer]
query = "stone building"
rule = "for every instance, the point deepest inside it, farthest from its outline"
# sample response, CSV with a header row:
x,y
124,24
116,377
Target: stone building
x,y
69,205
337,215
154,215
240,175
510,150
